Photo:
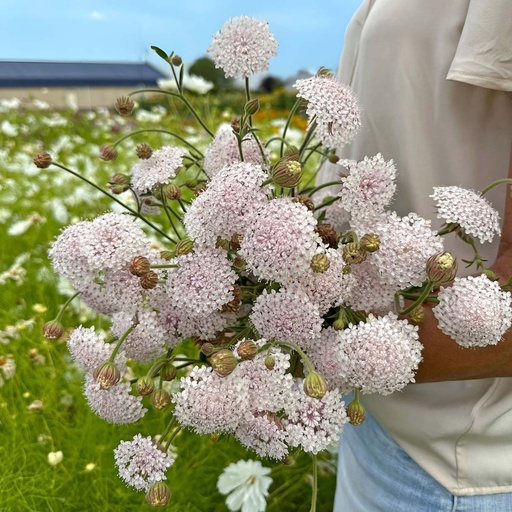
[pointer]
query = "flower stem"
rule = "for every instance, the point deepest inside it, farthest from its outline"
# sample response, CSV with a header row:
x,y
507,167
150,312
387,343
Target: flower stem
x,y
315,483
184,100
424,294
320,187
136,214
299,351
495,184
158,130
61,312
120,342
287,124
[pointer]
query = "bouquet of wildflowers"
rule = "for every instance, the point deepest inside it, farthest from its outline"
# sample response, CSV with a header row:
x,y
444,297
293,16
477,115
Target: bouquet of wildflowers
x,y
267,299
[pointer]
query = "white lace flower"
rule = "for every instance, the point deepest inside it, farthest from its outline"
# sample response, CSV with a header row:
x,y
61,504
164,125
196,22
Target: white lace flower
x,y
246,483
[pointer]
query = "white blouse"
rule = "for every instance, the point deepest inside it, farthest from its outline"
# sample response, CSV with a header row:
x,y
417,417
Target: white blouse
x,y
434,79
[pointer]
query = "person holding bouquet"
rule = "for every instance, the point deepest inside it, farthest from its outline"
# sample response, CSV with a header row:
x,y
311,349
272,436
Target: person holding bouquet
x,y
434,80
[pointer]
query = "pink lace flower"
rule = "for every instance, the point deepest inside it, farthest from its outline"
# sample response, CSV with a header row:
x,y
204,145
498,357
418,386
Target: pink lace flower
x,y
224,151
475,311
333,107
280,241
141,463
469,209
243,46
379,356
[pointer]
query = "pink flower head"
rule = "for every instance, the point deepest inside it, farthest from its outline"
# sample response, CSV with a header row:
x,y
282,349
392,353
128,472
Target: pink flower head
x,y
243,46
380,355
226,207
469,209
475,311
141,463
333,107
280,241
224,151
159,169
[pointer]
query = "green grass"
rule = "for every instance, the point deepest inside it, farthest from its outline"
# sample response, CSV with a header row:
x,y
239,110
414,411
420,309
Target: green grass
x,y
43,369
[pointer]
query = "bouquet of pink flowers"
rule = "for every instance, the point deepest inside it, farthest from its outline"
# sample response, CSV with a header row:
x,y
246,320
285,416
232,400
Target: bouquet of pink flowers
x,y
292,295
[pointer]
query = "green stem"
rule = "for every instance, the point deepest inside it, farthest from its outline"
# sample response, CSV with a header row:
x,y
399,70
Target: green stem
x,y
168,428
424,294
120,342
287,124
184,100
307,138
299,351
327,203
174,434
61,312
136,214
495,184
313,150
158,130
324,185
315,483
163,266
166,210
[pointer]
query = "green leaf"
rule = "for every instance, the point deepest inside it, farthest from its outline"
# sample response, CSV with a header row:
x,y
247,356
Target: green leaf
x,y
160,53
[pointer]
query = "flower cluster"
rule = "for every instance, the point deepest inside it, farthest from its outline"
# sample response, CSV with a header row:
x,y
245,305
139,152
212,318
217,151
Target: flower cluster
x,y
267,299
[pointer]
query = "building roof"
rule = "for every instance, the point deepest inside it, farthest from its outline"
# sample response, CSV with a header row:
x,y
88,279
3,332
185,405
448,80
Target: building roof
x,y
69,74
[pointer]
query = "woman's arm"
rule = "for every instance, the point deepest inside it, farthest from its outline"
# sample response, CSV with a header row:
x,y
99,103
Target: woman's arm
x,y
443,359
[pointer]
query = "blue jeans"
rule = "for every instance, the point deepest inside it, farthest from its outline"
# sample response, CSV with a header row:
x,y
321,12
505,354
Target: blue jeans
x,y
376,475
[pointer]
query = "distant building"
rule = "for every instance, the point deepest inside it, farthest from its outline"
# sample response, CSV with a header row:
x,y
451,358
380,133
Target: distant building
x,y
75,84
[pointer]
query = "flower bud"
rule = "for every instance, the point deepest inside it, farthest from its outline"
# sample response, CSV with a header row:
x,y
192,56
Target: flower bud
x,y
370,242
315,385
106,375
139,266
247,350
286,173
144,151
333,159
339,324
43,160
328,235
233,305
169,372
441,268
320,263
172,191
119,183
356,413
176,60
353,253
145,386
53,330
270,362
235,123
324,72
207,349
222,244
239,264
166,255
160,399
124,105
306,201
149,281
252,106
158,495
223,362
108,153
183,247
417,315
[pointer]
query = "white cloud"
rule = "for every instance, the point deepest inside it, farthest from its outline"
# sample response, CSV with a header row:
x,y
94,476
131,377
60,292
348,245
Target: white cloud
x,y
96,15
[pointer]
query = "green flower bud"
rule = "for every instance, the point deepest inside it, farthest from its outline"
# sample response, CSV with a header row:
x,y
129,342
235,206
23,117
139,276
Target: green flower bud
x,y
158,495
356,413
353,253
441,268
320,263
160,399
223,362
270,362
315,385
145,386
149,281
286,172
370,242
247,350
183,247
169,372
144,151
252,106
108,153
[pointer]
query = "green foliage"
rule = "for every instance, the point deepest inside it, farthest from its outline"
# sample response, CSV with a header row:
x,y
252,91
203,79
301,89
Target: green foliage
x,y
205,68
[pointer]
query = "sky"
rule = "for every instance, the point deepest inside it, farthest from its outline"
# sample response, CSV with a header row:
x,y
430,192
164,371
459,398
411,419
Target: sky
x,y
309,33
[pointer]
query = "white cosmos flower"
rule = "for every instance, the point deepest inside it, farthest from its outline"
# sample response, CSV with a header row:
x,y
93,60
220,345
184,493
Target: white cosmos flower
x,y
246,483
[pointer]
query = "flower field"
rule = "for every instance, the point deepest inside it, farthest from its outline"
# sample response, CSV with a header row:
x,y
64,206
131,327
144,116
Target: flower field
x,y
56,453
